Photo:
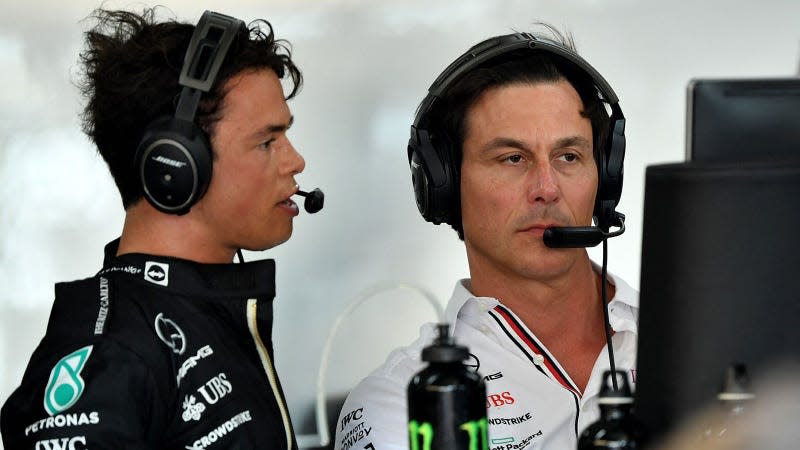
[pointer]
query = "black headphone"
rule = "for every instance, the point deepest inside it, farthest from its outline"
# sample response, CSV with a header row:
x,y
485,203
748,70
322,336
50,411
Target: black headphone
x,y
433,171
174,158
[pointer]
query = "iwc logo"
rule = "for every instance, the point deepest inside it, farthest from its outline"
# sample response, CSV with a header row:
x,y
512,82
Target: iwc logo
x,y
170,333
156,273
65,385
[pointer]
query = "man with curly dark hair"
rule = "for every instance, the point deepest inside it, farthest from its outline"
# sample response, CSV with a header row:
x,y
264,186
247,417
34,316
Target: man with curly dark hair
x,y
169,345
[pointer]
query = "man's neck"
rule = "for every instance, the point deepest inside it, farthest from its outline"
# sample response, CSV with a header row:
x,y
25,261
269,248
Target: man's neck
x,y
564,312
566,307
154,233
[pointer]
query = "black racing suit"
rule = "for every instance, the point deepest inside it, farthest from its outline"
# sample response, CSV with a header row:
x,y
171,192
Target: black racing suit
x,y
158,353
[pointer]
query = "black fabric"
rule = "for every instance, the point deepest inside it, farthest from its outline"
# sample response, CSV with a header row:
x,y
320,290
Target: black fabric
x,y
137,391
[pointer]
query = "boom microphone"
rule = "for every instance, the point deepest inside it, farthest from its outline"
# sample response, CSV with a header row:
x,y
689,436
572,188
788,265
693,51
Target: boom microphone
x,y
314,200
577,237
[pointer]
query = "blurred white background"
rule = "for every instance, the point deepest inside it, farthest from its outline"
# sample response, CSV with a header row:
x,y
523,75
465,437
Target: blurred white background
x,y
367,64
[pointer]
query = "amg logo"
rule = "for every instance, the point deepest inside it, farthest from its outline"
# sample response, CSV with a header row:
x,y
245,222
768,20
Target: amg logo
x,y
169,162
62,444
494,376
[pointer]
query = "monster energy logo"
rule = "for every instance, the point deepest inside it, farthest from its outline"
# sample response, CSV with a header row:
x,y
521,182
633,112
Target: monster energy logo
x,y
65,385
475,429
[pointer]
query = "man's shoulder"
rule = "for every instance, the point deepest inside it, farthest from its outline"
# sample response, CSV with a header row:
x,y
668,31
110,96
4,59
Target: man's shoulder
x,y
374,412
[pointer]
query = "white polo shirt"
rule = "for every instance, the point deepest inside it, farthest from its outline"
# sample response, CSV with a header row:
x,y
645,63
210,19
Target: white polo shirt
x,y
531,401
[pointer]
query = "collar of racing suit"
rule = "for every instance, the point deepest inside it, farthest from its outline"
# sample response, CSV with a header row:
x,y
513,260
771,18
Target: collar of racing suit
x,y
256,278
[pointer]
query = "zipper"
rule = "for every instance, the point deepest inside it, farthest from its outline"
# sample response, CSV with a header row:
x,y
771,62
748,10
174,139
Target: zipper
x,y
266,362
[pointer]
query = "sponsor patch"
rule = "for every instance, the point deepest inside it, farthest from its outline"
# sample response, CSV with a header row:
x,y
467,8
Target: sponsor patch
x,y
65,385
157,273
192,361
220,431
355,414
357,431
499,400
192,410
63,420
355,434
102,312
510,420
215,388
472,363
67,443
493,376
510,445
133,270
170,333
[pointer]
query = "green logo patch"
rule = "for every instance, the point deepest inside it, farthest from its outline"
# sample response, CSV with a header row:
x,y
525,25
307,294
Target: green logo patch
x,y
65,385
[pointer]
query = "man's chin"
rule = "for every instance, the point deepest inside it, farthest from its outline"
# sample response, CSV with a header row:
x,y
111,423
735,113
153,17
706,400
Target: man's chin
x,y
267,244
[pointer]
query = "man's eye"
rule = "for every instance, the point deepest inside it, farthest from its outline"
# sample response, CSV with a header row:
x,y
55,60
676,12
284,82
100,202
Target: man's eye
x,y
265,145
569,157
514,159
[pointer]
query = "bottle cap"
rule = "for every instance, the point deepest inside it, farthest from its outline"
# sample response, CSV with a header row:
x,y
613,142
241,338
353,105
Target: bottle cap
x,y
444,349
620,396
735,384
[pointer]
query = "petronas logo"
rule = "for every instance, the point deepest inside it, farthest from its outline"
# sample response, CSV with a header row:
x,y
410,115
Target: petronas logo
x,y
65,385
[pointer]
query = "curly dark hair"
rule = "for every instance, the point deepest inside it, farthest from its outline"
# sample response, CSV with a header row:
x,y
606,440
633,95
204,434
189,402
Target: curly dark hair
x,y
521,66
131,66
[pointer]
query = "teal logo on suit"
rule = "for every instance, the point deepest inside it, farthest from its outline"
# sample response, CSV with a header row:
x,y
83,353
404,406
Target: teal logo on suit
x,y
65,385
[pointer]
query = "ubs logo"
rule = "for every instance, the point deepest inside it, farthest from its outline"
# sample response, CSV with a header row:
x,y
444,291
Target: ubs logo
x,y
170,334
215,388
156,273
499,400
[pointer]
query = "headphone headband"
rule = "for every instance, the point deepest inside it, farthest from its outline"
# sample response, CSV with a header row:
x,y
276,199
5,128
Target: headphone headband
x,y
208,47
492,48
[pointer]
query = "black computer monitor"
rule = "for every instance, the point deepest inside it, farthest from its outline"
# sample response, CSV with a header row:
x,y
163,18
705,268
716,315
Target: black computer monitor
x,y
720,282
740,120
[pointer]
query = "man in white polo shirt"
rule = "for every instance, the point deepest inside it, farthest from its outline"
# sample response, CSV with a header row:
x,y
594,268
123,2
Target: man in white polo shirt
x,y
515,149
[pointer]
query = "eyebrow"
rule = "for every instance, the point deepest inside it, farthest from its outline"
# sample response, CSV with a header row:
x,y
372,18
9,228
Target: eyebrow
x,y
500,142
573,141
273,128
569,141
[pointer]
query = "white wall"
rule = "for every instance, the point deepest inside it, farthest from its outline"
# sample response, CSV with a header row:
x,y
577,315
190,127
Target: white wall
x,y
367,64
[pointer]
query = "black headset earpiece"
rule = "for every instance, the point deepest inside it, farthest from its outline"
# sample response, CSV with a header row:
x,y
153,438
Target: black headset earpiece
x,y
434,174
173,161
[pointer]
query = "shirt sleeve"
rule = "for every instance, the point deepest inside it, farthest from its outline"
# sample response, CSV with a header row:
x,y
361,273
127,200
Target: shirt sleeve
x,y
374,417
86,395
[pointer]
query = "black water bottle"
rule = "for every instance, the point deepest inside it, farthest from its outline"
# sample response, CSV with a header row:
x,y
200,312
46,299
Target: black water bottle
x,y
446,401
735,397
617,427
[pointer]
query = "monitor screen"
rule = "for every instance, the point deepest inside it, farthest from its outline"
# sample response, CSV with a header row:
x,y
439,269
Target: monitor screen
x,y
743,120
719,282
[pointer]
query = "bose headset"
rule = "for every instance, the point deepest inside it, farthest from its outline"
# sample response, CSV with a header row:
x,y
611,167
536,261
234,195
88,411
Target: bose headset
x,y
433,170
174,158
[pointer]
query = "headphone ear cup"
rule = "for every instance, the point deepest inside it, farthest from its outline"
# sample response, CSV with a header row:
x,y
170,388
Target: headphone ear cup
x,y
173,164
610,172
433,178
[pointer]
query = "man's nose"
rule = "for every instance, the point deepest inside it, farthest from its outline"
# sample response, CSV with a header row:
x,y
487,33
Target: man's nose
x,y
543,187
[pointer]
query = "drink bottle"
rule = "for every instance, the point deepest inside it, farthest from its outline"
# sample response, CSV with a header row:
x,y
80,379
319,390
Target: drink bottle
x,y
446,401
733,400
617,427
